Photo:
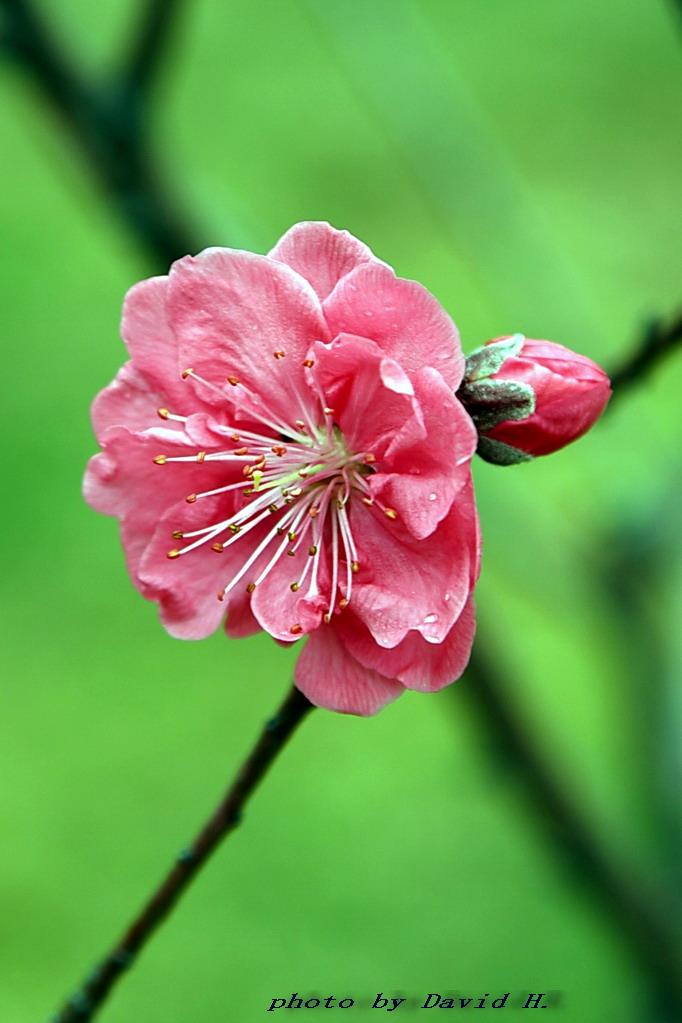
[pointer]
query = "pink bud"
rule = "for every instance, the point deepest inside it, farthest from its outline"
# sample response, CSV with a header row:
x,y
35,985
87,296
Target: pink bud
x,y
571,393
531,397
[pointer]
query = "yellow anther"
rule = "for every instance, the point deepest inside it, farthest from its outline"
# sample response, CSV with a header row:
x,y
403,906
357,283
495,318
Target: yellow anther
x,y
368,501
273,508
221,594
390,513
177,534
312,550
291,537
186,373
233,380
234,528
369,458
162,413
278,353
173,554
217,547
201,455
328,411
296,629
191,498
300,424
355,566
160,460
291,553
250,587
293,587
309,363
343,603
314,511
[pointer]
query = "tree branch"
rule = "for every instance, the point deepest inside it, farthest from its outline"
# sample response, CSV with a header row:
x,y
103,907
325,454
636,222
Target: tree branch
x,y
657,342
156,24
111,140
640,913
84,1004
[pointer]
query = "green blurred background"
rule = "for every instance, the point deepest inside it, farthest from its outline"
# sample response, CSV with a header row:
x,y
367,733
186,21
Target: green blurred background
x,y
523,162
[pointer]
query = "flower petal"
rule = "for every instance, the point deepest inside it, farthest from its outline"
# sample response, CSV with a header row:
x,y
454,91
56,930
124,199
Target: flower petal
x,y
401,316
234,314
150,340
404,583
321,254
415,662
330,677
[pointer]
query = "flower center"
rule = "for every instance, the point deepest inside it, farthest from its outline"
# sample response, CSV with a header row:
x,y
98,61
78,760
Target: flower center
x,y
298,477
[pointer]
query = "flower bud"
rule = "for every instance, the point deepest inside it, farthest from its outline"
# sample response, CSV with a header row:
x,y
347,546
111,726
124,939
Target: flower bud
x,y
530,398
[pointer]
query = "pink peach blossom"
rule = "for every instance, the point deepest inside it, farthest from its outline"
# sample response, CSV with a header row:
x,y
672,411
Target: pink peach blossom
x,y
310,475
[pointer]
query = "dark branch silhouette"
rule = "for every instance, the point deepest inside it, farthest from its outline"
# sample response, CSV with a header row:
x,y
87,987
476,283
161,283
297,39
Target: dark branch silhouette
x,y
98,115
658,340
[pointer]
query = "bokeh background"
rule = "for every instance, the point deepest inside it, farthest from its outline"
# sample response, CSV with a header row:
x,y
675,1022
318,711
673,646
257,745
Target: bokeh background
x,y
523,162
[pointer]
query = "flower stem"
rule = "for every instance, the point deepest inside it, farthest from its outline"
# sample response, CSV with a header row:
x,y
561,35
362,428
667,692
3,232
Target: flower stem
x,y
84,1004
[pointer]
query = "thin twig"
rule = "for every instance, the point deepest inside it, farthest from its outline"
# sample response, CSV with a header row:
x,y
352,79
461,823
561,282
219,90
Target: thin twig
x,y
657,342
113,142
84,1004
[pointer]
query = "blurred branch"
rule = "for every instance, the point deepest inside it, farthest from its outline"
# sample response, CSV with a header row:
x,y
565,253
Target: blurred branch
x,y
100,119
85,1003
639,913
657,342
157,21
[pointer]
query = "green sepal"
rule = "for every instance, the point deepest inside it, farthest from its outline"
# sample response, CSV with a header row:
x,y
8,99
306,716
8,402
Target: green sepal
x,y
499,453
490,402
488,360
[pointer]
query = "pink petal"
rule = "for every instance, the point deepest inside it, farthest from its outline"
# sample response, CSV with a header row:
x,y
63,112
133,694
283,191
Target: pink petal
x,y
371,396
129,400
330,677
401,316
187,587
415,662
232,311
151,342
321,254
421,477
407,584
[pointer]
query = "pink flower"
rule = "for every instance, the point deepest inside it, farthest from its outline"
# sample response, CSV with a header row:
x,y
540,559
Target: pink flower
x,y
530,397
311,473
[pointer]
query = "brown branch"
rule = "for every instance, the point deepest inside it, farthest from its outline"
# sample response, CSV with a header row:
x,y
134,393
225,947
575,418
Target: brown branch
x,y
84,1004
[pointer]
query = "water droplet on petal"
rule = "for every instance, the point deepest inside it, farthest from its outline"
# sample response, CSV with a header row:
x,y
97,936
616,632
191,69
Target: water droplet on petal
x,y
432,497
